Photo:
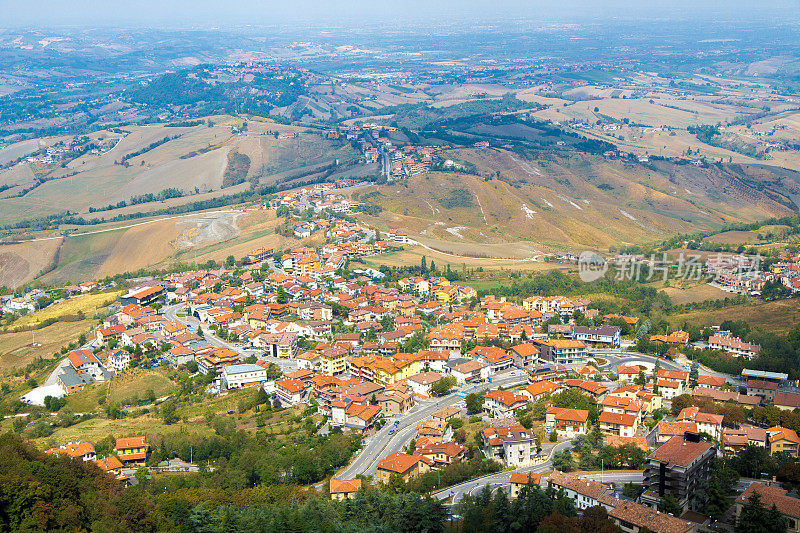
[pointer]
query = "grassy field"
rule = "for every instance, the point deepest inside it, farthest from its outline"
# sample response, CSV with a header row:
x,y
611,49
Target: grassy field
x,y
127,388
193,420
778,316
684,292
17,349
573,203
88,304
413,256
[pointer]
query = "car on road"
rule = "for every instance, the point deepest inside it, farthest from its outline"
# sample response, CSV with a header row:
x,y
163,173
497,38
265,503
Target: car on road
x,y
391,432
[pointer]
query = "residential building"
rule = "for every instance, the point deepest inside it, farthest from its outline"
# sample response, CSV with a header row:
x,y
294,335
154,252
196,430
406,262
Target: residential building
x,y
524,355
669,388
786,401
502,403
592,388
118,360
736,440
631,517
623,425
562,351
680,467
764,389
733,345
667,430
333,361
283,345
706,422
361,417
421,383
571,422
712,382
244,375
290,392
442,453
520,481
132,450
584,493
76,450
512,445
539,389
782,439
343,489
597,336
470,372
85,363
405,465
770,496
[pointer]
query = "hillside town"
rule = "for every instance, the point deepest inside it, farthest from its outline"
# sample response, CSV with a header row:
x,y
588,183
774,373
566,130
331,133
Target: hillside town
x,y
404,361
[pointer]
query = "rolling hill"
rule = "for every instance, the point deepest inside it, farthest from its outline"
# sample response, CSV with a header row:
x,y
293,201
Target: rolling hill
x,y
578,201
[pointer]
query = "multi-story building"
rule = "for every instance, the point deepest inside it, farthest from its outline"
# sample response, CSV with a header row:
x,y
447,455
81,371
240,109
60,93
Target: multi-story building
x,y
622,425
680,467
600,335
782,439
244,375
571,422
132,450
513,445
562,351
762,388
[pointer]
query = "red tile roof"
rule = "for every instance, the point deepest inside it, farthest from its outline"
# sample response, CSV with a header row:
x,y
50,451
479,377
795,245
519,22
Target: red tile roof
x,y
679,451
398,462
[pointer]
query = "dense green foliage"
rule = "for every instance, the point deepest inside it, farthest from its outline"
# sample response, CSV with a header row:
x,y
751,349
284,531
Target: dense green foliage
x,y
40,492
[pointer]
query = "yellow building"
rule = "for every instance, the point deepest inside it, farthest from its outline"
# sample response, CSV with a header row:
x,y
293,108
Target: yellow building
x,y
132,450
332,362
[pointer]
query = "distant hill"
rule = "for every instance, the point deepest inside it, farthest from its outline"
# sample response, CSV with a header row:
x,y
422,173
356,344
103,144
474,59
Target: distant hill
x,y
581,200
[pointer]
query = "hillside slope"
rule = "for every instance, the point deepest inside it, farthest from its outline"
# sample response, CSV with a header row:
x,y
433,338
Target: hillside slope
x,y
579,201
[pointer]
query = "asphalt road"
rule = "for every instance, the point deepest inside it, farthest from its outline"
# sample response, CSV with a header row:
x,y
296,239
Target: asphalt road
x,y
382,443
503,479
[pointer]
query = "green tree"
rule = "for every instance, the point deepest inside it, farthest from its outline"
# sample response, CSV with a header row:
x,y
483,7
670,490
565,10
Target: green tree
x,y
694,373
564,461
669,505
443,385
754,518
168,413
720,490
679,403
474,402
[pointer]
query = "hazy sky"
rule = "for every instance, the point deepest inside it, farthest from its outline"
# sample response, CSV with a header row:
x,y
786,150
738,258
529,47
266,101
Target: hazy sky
x,y
228,12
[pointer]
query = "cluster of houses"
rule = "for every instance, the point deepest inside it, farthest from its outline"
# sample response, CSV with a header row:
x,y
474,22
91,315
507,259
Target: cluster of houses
x,y
788,272
129,452
32,300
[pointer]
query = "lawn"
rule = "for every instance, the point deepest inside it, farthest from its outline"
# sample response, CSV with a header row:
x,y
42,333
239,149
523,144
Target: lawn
x,y
88,304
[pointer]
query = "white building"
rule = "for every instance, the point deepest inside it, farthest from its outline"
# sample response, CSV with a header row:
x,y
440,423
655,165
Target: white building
x,y
421,383
245,375
119,360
